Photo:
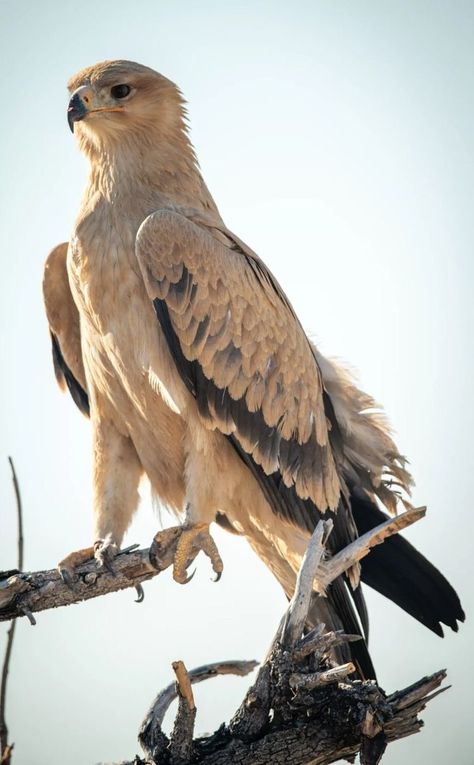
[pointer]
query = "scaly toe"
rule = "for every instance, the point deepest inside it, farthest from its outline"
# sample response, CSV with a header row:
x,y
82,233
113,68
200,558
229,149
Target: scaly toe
x,y
193,539
209,547
104,553
182,577
163,547
67,566
189,545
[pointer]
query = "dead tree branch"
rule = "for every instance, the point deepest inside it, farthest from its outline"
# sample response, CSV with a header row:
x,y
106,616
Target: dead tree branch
x,y
23,593
6,749
303,708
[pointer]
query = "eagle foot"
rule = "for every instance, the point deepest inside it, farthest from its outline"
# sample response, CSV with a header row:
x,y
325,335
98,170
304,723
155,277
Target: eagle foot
x,y
67,566
104,553
179,546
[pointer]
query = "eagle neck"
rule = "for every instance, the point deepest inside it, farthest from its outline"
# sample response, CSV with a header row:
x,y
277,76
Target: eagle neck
x,y
144,170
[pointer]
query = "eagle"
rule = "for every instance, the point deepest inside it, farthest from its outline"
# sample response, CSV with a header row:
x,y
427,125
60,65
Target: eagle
x,y
177,341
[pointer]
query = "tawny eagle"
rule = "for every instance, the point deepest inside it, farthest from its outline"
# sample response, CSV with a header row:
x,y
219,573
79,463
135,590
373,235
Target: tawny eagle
x,y
181,346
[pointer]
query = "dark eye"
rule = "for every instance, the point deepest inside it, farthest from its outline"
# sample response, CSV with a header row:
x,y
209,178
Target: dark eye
x,y
120,91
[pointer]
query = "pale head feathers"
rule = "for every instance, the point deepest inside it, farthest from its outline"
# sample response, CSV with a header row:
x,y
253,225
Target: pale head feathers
x,y
140,137
154,104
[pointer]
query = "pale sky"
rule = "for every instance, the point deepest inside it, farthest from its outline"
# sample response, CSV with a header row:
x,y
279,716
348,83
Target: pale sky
x,y
336,138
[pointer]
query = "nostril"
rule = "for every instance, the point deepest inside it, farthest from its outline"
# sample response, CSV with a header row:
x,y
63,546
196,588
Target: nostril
x,y
85,99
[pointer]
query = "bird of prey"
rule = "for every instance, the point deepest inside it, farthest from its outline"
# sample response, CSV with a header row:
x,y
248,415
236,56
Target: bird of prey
x,y
181,346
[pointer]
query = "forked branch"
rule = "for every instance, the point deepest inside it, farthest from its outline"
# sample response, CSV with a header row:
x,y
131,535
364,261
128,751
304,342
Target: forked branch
x,y
302,708
24,593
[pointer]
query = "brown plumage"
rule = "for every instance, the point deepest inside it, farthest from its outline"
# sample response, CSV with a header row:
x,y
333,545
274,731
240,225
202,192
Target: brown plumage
x,y
196,370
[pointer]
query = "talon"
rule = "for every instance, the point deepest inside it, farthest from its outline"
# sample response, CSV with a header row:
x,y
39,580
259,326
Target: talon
x,y
188,578
217,576
67,566
163,548
68,578
140,593
181,577
179,545
29,616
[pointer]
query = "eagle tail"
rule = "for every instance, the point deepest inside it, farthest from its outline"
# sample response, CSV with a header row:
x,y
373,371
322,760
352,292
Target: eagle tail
x,y
399,572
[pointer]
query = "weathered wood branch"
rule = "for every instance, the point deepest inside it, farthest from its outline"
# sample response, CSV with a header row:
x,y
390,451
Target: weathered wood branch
x,y
25,593
358,549
22,594
303,709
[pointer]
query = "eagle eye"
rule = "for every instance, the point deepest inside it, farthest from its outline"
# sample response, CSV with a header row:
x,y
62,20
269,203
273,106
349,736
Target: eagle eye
x,y
120,91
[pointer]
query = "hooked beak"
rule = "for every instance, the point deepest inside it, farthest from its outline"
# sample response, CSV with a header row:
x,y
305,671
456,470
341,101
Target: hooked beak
x,y
76,111
82,103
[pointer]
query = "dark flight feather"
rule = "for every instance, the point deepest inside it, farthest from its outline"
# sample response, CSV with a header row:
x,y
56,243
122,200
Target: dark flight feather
x,y
282,499
64,374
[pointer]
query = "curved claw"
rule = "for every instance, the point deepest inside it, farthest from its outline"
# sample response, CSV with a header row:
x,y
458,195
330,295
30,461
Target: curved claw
x,y
29,616
163,548
140,593
188,578
217,576
67,578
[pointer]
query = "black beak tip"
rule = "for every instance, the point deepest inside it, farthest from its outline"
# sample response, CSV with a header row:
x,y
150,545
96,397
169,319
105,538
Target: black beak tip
x,y
76,111
70,119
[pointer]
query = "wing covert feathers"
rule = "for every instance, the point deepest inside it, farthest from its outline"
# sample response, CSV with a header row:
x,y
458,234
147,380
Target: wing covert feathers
x,y
240,350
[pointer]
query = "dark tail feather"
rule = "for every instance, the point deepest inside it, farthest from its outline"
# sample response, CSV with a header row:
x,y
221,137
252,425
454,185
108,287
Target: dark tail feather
x,y
399,572
339,595
337,613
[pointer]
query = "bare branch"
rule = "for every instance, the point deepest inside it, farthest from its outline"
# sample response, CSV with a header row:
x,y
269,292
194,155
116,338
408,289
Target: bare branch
x,y
317,640
151,737
303,709
297,613
207,671
19,513
26,593
181,740
5,748
252,716
329,722
306,682
343,560
283,718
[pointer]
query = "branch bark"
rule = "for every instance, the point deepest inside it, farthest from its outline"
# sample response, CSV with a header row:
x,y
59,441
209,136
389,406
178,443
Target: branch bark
x,y
25,593
302,708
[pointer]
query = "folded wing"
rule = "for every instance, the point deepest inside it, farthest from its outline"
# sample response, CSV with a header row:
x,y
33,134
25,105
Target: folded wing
x,y
64,325
241,352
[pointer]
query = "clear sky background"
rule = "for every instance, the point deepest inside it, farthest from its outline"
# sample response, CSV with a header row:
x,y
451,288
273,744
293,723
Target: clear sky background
x,y
336,138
